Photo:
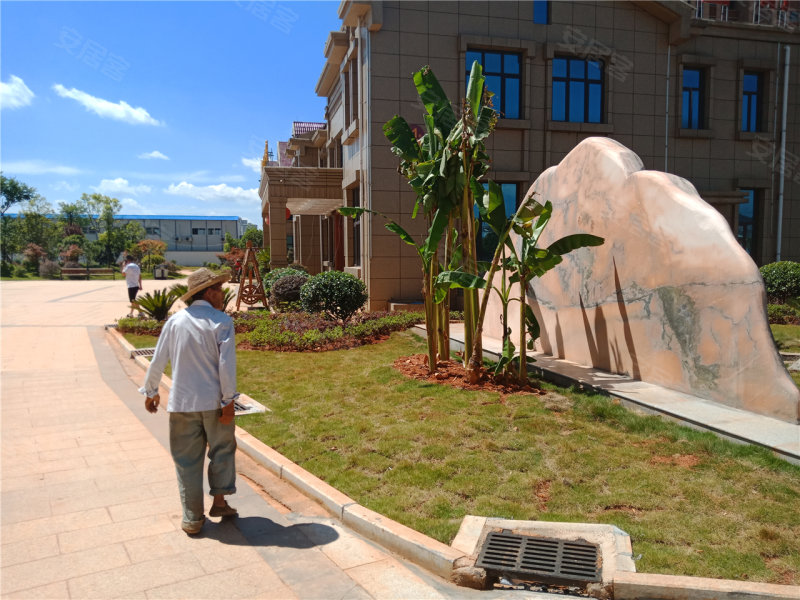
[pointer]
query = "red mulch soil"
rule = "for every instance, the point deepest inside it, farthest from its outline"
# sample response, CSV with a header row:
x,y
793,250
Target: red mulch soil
x,y
453,374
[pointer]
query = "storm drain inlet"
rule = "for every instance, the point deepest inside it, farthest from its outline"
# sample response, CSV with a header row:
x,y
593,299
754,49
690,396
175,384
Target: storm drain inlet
x,y
546,560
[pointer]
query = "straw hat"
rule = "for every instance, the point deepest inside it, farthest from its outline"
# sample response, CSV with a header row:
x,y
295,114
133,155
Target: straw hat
x,y
202,279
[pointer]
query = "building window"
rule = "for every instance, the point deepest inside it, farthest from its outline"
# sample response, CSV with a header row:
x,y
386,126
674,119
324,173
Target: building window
x,y
356,230
751,101
198,231
152,230
486,242
214,231
577,90
541,12
502,71
747,225
693,100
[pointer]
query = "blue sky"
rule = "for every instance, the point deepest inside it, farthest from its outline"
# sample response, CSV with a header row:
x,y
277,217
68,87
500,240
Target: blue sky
x,y
163,105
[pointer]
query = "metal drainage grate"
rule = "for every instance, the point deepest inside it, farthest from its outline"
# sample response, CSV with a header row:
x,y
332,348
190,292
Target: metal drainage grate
x,y
540,559
143,352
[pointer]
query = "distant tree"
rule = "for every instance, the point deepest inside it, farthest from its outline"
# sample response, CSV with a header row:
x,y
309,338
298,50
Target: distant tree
x,y
112,238
13,192
73,217
37,227
252,234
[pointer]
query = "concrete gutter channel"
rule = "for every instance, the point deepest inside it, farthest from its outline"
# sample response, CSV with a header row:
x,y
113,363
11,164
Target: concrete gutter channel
x,y
456,562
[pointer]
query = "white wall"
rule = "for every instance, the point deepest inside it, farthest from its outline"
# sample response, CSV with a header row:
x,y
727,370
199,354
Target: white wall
x,y
192,259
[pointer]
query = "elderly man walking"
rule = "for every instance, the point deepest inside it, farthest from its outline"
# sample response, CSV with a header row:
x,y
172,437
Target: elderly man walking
x,y
199,342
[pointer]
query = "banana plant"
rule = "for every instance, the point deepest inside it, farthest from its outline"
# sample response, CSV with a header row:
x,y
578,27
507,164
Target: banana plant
x,y
443,168
526,261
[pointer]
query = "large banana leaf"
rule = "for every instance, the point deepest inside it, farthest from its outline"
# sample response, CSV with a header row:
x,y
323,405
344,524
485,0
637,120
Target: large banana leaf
x,y
573,242
399,133
461,279
475,87
435,100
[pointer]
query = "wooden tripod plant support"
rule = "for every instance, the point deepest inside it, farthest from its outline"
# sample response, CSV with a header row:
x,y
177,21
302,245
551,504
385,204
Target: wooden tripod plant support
x,y
251,288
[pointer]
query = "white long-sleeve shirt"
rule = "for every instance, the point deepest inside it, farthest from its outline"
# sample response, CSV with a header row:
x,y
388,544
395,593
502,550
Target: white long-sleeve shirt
x,y
200,343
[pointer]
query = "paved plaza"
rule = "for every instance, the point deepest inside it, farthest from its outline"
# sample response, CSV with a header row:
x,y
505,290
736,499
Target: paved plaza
x,y
90,506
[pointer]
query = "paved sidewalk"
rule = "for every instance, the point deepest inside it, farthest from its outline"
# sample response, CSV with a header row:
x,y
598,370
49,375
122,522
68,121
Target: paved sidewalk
x,y
90,506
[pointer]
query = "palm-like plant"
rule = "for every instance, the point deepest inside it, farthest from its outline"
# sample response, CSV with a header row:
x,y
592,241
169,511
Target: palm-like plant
x,y
158,304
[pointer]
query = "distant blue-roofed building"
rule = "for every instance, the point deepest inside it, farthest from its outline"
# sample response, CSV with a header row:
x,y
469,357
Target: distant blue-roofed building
x,y
191,239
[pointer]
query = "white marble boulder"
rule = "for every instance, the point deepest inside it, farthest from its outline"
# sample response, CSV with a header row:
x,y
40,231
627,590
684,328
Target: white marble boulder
x,y
671,298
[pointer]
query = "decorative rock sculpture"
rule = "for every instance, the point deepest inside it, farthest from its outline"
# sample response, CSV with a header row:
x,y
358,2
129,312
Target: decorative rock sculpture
x,y
671,298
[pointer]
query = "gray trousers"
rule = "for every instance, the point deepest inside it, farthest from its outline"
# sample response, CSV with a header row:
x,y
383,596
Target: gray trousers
x,y
189,435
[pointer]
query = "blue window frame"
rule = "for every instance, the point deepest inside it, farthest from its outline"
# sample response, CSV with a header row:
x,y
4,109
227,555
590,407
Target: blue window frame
x,y
502,71
577,90
693,99
541,12
751,101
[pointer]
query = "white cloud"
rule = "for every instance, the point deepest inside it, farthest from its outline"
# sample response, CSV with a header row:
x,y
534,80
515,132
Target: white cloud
x,y
121,111
252,163
120,186
15,93
132,207
65,186
153,154
221,193
37,167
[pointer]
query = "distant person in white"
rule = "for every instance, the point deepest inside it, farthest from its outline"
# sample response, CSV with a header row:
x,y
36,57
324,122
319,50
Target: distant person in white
x,y
133,279
199,342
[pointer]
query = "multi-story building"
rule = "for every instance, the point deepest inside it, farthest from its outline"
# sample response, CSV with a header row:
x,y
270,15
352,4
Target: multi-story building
x,y
707,90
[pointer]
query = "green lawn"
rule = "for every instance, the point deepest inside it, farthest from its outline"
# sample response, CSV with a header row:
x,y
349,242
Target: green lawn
x,y
426,455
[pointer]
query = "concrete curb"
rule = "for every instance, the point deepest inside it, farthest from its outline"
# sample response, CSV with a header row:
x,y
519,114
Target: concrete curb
x,y
635,586
443,560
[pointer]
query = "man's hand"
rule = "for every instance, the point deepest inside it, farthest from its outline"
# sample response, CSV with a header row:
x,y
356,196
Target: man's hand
x,y
151,404
228,412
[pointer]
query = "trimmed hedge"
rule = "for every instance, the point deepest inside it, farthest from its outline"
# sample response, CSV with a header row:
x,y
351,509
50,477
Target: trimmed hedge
x,y
782,281
339,295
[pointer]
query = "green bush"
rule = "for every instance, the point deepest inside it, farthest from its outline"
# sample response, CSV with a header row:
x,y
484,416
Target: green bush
x,y
49,269
334,293
285,292
782,281
6,269
20,271
139,326
276,274
151,261
783,314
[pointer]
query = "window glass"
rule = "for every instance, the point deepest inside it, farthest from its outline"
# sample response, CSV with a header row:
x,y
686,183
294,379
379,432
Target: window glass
x,y
492,62
512,99
692,104
751,102
559,67
559,100
487,239
576,106
541,10
511,63
577,68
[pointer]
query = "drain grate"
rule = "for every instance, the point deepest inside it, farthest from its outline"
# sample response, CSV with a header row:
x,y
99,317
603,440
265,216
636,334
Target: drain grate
x,y
143,352
540,559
